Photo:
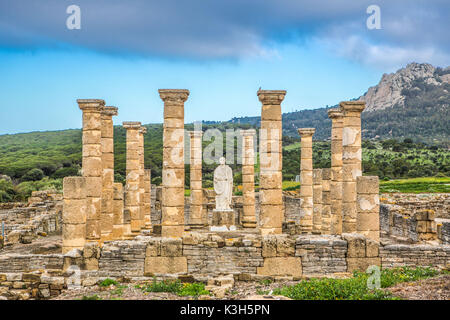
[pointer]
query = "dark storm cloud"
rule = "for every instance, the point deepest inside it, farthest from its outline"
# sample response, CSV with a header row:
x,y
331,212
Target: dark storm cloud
x,y
225,29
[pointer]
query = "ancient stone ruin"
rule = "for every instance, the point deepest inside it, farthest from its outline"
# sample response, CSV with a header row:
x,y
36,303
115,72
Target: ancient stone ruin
x,y
137,230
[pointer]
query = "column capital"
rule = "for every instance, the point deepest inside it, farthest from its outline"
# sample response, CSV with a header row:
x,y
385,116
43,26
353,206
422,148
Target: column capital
x,y
306,132
131,125
143,130
268,97
248,132
352,106
335,113
195,134
110,111
174,95
91,104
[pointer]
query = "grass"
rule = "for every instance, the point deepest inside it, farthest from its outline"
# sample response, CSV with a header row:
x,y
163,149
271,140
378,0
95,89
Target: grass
x,y
417,185
94,297
354,288
177,287
107,282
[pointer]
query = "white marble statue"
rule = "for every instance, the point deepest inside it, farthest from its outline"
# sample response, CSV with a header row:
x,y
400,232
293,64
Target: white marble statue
x,y
223,186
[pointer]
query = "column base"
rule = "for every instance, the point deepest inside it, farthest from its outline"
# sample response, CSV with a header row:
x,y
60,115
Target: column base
x,y
249,224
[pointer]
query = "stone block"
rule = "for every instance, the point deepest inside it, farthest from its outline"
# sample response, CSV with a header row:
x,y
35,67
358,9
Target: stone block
x,y
165,265
171,247
281,266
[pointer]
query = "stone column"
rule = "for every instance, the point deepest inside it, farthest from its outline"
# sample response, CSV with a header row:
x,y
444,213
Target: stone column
x,y
368,218
118,219
351,158
326,201
74,213
92,164
172,221
196,209
133,179
270,152
317,201
108,172
248,178
142,177
148,199
336,117
306,179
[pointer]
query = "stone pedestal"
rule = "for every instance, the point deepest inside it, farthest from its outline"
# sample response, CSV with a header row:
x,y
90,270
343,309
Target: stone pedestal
x,y
107,143
271,158
133,179
248,178
92,169
196,216
317,200
351,157
223,218
336,117
74,213
306,179
172,222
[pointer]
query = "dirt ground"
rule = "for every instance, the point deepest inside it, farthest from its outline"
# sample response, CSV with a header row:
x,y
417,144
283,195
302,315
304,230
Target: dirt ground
x,y
428,289
437,288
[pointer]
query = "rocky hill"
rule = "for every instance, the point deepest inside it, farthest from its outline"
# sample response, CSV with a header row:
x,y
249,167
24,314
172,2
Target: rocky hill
x,y
389,91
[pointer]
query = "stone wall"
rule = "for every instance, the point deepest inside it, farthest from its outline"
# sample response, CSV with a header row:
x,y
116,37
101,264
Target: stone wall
x,y
397,255
35,285
410,202
42,215
30,262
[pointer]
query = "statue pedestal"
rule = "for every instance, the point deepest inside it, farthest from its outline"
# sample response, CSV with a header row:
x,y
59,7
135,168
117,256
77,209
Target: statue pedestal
x,y
223,218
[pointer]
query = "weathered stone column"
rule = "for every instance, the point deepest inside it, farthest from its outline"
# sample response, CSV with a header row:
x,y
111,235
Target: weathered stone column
x,y
351,157
133,179
306,179
172,221
271,158
148,199
368,218
118,218
336,117
317,201
142,177
196,209
92,164
74,213
326,201
108,172
248,178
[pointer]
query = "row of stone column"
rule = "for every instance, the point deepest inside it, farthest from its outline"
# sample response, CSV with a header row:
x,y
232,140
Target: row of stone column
x,y
335,200
96,208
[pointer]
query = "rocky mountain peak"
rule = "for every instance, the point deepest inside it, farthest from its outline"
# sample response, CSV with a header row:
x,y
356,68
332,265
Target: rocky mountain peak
x,y
388,92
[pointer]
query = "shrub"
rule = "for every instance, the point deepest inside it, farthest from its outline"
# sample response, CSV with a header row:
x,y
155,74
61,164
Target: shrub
x,y
107,282
354,288
33,175
65,172
193,289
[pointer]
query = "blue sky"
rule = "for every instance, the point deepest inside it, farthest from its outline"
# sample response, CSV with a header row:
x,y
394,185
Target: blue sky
x,y
320,51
